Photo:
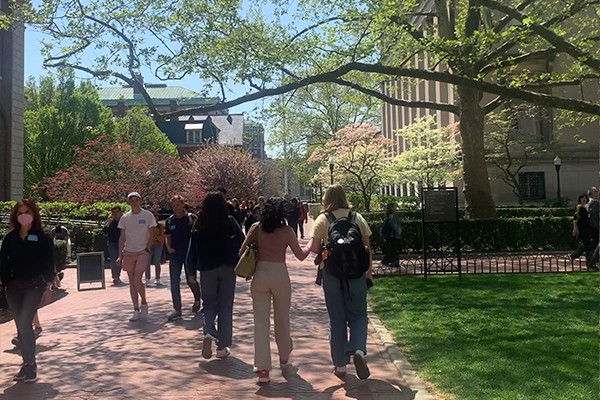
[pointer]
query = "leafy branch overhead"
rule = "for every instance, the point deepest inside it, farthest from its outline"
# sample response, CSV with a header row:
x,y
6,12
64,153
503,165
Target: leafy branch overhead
x,y
544,52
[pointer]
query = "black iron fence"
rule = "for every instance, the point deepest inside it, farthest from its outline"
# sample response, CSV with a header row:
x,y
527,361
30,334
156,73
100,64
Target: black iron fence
x,y
488,263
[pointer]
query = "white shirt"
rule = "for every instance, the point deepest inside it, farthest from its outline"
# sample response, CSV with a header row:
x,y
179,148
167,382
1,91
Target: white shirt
x,y
137,230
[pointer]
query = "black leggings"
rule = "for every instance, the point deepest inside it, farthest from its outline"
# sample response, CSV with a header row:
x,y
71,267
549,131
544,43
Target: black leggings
x,y
24,303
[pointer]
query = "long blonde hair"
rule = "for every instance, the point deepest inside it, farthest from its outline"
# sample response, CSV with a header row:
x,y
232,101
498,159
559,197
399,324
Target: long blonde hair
x,y
335,198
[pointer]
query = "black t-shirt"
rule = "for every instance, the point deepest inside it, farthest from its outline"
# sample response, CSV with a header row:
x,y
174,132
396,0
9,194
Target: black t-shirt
x,y
23,260
180,230
112,231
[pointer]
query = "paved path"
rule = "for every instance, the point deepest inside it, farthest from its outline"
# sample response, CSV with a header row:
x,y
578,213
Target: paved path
x,y
89,350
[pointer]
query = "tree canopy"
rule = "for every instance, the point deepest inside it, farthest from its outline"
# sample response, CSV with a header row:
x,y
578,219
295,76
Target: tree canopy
x,y
357,154
59,116
479,46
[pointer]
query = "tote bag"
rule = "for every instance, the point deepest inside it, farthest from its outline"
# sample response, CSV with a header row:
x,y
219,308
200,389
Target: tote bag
x,y
246,266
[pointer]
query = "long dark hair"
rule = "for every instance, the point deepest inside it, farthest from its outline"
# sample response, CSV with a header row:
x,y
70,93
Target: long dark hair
x,y
36,225
213,220
273,214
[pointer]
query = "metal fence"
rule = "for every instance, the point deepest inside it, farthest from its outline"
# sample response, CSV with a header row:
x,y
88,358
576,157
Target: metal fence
x,y
488,263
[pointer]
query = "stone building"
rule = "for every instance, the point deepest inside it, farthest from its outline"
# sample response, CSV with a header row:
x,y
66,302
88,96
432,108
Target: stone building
x,y
11,109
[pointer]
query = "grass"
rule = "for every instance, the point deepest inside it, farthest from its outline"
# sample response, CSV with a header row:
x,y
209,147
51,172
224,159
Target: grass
x,y
512,337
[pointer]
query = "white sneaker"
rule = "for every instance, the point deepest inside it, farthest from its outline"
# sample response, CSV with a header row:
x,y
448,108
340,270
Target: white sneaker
x,y
144,312
135,316
222,353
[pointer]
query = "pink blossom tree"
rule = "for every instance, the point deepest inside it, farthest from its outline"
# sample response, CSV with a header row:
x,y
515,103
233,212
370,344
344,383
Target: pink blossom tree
x,y
106,169
358,153
213,166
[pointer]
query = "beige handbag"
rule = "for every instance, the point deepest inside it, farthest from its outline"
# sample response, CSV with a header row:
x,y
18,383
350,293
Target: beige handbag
x,y
246,266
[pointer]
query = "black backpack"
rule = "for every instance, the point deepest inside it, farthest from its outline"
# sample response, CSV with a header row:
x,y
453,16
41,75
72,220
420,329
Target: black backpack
x,y
347,258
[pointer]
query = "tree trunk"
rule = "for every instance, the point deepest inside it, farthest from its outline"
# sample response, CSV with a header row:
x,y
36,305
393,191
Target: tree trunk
x,y
478,194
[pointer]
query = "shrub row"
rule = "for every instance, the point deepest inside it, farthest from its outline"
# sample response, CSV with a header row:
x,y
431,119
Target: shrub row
x,y
67,210
83,237
497,235
502,213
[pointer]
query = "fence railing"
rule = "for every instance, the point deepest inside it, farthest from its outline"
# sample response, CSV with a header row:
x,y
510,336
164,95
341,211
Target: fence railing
x,y
489,263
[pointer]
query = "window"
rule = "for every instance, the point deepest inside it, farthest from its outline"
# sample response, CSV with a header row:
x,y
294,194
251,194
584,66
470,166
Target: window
x,y
194,136
532,185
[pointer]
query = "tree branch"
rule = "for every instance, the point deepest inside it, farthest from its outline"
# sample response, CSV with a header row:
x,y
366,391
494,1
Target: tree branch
x,y
398,102
550,36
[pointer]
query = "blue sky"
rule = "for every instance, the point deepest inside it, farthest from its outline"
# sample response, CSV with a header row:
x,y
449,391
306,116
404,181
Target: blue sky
x,y
34,67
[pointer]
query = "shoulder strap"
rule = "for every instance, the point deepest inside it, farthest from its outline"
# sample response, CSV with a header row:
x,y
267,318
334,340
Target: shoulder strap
x,y
330,217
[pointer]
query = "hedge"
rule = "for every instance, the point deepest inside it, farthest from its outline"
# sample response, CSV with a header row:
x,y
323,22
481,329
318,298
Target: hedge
x,y
493,235
68,210
502,213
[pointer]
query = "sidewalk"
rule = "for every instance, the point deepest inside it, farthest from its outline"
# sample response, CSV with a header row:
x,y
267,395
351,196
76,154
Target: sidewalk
x,y
89,350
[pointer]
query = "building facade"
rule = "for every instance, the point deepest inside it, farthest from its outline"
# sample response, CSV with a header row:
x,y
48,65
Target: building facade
x,y
12,106
187,132
574,147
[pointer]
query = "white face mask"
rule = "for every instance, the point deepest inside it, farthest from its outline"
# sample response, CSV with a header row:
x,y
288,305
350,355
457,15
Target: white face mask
x,y
25,219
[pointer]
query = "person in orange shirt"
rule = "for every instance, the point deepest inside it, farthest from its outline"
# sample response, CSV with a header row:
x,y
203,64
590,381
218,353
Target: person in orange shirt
x,y
156,251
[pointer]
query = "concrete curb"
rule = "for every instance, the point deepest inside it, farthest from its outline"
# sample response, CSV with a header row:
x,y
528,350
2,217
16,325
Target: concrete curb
x,y
405,369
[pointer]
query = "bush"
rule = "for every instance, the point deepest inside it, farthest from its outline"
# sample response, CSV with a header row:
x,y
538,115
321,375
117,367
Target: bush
x,y
69,210
492,235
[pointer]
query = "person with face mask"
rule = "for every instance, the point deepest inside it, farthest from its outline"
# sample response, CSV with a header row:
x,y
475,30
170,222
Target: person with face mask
x,y
26,271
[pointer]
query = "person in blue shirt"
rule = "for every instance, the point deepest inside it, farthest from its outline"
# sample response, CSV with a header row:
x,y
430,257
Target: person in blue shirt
x,y
178,228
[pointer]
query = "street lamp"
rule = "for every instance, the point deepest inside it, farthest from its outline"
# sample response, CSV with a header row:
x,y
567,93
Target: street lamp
x,y
331,165
557,162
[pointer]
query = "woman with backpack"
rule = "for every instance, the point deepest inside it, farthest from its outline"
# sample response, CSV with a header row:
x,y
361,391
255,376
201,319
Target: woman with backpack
x,y
213,251
346,274
271,282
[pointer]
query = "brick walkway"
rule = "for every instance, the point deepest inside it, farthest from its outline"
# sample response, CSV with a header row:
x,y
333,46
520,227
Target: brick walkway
x,y
89,350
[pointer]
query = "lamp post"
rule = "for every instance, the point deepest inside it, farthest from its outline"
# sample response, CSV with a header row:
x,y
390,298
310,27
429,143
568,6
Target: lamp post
x,y
557,163
331,165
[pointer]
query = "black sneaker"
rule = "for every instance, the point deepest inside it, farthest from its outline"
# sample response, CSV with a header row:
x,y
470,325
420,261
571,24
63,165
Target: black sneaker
x,y
174,316
196,306
362,369
27,374
15,341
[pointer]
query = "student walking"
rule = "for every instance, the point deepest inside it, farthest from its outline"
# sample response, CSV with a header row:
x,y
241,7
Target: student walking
x,y
134,246
213,251
391,231
156,252
26,271
271,284
113,233
581,227
344,283
178,229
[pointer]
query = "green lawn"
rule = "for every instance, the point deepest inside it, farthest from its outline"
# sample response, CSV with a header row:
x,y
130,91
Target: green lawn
x,y
529,336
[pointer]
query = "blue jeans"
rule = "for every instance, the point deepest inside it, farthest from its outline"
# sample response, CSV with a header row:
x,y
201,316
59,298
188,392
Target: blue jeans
x,y
113,254
218,291
154,257
175,267
346,303
23,304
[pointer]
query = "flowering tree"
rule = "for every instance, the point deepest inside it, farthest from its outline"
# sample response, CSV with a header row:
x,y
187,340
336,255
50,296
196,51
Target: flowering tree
x,y
213,166
359,152
431,156
107,169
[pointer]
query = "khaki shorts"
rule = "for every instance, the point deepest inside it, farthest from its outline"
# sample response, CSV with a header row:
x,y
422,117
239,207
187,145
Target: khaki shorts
x,y
134,262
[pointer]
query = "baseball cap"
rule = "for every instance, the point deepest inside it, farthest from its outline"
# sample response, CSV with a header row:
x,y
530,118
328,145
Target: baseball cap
x,y
133,194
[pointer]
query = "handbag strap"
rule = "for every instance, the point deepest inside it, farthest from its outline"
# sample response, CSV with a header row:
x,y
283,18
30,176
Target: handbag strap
x,y
254,237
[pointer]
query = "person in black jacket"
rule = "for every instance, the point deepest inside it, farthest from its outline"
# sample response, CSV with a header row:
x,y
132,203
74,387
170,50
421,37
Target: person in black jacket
x,y
213,251
26,270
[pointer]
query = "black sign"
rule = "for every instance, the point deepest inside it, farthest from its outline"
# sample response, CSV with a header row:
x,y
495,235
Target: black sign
x,y
440,205
90,267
